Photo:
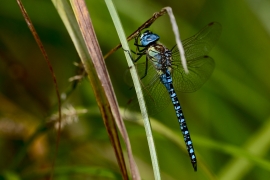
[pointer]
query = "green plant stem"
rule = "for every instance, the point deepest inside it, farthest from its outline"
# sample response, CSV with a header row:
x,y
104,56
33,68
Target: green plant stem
x,y
137,86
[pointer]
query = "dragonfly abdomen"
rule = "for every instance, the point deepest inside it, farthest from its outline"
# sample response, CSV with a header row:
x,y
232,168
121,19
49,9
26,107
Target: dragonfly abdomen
x,y
166,79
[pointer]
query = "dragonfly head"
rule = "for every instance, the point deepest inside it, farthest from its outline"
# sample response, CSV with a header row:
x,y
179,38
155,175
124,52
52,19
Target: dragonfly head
x,y
148,37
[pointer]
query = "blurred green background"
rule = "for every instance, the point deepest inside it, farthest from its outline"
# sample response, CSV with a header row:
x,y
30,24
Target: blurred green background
x,y
228,117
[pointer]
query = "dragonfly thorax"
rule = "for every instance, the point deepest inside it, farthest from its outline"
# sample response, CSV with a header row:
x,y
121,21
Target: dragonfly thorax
x,y
160,56
148,38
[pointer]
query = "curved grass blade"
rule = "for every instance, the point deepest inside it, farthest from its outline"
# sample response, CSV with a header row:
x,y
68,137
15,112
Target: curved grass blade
x,y
102,89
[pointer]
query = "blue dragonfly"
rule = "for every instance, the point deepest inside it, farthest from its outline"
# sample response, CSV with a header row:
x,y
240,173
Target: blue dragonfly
x,y
162,74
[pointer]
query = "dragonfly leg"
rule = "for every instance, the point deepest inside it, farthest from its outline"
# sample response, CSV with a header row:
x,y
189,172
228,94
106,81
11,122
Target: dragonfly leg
x,y
138,58
138,53
134,60
138,45
146,68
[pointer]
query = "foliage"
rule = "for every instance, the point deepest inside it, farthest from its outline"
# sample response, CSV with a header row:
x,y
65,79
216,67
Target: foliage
x,y
228,117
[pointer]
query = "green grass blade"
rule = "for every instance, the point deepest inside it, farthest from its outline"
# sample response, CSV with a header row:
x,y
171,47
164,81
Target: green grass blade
x,y
138,89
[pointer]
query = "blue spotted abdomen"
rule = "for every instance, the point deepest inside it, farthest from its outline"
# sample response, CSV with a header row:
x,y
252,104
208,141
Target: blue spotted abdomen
x,y
166,80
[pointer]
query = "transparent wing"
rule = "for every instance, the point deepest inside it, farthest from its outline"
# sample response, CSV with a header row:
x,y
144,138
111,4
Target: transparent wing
x,y
155,93
199,64
201,43
200,69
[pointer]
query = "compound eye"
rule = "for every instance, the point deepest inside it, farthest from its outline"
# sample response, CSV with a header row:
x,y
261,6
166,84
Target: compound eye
x,y
148,37
147,32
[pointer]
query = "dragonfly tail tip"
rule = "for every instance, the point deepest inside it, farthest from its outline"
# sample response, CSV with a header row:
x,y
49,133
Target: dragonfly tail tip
x,y
194,166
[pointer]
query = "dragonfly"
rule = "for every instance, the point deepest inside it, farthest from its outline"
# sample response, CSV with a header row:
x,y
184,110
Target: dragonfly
x,y
162,74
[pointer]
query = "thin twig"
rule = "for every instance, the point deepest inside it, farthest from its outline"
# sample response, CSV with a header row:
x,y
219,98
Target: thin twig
x,y
145,25
148,23
42,49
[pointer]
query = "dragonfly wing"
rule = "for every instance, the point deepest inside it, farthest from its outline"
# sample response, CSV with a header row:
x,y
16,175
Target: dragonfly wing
x,y
155,93
201,43
200,65
200,69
